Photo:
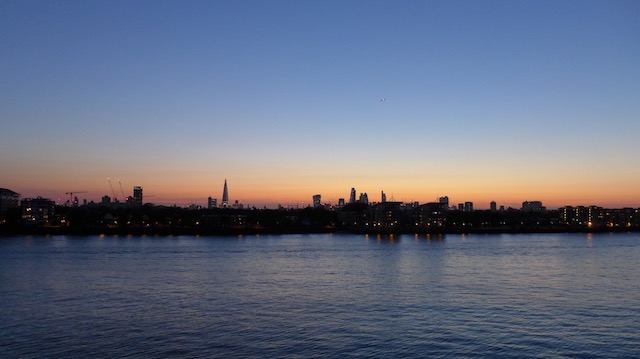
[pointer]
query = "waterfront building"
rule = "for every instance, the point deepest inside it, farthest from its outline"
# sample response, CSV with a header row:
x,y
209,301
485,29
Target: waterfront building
x,y
595,216
574,216
37,211
223,220
566,214
8,199
387,215
429,216
225,196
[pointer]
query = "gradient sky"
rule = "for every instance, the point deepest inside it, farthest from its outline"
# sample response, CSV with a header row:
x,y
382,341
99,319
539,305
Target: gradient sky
x,y
483,100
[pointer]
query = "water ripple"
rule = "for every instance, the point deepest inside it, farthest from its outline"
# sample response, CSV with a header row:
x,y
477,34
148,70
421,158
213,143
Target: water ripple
x,y
292,296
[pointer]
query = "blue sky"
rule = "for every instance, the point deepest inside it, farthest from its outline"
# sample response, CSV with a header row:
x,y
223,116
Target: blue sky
x,y
502,100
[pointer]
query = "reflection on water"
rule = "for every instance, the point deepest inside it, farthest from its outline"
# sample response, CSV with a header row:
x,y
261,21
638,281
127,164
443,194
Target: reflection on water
x,y
336,295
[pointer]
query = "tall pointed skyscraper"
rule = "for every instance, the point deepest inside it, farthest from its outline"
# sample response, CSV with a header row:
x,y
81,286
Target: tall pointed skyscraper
x,y
225,196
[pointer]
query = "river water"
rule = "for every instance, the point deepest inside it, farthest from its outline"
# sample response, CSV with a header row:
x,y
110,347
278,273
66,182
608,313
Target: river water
x,y
533,295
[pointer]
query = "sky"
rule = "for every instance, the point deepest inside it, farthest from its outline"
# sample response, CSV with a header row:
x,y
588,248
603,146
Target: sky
x,y
505,101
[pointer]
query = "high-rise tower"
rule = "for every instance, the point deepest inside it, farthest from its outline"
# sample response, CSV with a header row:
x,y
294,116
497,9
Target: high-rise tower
x,y
352,198
137,195
225,195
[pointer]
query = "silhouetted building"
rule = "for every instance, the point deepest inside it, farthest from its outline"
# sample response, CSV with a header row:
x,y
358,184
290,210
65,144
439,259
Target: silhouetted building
x,y
317,200
493,206
595,217
106,200
364,198
575,216
225,196
383,198
37,211
340,202
598,217
137,196
444,202
460,207
388,215
8,199
532,206
212,203
223,221
468,206
429,216
352,198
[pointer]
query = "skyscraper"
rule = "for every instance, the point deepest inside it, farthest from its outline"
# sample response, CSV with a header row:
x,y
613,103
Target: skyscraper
x,y
384,197
137,196
352,198
317,200
468,206
225,196
212,202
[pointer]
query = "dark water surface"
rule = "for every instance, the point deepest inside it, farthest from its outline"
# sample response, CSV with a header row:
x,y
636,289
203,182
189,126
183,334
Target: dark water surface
x,y
549,295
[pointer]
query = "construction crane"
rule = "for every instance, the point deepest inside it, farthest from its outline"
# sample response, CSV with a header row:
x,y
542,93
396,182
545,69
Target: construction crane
x,y
121,191
112,191
71,196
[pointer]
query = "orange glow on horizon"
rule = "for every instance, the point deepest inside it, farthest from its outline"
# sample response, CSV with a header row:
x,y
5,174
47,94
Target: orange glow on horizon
x,y
271,189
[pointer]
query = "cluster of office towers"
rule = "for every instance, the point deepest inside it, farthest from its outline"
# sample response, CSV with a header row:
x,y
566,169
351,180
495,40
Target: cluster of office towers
x,y
213,202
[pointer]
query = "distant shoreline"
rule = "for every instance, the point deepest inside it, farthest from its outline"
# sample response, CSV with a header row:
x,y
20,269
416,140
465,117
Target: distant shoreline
x,y
268,231
357,218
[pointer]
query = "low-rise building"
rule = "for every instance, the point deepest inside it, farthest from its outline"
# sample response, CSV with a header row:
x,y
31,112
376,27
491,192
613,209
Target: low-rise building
x,y
37,211
533,206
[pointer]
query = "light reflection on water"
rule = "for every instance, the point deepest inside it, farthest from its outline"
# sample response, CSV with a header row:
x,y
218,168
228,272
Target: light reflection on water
x,y
550,295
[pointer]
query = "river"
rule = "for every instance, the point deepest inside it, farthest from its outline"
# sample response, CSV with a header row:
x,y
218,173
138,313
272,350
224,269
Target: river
x,y
510,295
